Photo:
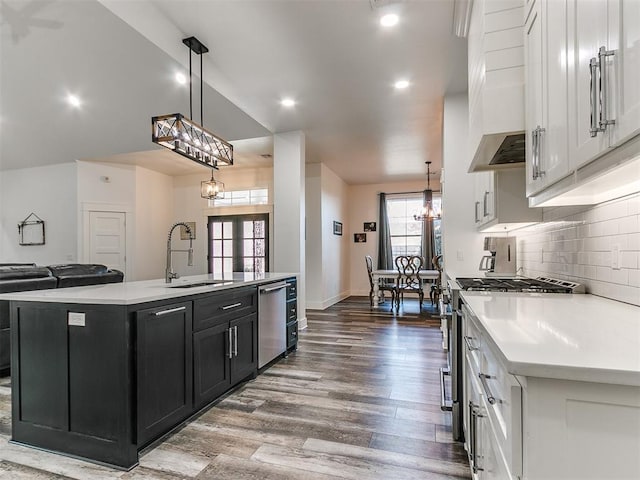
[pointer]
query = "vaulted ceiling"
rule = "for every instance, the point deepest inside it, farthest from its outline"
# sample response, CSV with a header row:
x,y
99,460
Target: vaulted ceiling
x,y
331,56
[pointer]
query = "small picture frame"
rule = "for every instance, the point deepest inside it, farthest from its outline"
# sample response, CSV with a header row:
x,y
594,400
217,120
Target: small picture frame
x,y
337,228
369,226
360,237
183,231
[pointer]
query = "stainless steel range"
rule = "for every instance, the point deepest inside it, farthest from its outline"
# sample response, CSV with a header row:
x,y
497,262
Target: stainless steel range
x,y
452,313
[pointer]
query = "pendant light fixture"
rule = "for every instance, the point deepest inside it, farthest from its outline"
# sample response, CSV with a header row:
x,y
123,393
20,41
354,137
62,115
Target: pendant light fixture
x,y
212,189
184,136
427,212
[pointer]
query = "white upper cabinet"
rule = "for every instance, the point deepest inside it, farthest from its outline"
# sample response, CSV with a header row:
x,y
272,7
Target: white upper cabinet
x,y
496,84
546,93
587,32
582,61
624,39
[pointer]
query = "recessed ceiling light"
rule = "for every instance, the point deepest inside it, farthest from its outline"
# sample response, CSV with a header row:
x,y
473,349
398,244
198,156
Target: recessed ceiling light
x,y
181,78
389,20
288,102
73,100
401,84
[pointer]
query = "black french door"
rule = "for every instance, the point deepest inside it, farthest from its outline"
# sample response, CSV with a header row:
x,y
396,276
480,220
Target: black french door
x,y
238,243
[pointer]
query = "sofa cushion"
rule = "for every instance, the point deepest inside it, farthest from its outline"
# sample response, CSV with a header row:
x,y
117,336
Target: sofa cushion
x,y
76,280
68,269
23,284
18,272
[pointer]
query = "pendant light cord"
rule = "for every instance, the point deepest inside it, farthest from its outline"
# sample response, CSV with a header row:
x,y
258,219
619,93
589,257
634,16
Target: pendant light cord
x,y
201,95
190,86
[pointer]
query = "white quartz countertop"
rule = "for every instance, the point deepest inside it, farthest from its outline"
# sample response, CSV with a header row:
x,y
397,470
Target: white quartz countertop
x,y
564,336
131,293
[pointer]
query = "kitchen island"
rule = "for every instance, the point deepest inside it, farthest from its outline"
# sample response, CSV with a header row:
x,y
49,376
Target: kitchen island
x,y
100,372
552,385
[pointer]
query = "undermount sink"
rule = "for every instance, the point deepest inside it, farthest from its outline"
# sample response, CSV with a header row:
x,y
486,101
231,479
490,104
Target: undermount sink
x,y
200,284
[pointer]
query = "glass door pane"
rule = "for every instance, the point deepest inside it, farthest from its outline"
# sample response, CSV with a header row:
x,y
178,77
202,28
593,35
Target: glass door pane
x,y
238,243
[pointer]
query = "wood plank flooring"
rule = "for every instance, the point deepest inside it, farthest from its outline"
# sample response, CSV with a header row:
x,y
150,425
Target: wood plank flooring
x,y
358,400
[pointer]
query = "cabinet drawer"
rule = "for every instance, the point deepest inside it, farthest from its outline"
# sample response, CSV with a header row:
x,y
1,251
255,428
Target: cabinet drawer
x,y
224,306
292,289
292,334
473,341
292,311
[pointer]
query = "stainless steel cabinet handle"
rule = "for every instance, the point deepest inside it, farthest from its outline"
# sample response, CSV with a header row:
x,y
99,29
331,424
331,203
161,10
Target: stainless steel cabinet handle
x,y
445,405
235,341
476,211
534,150
603,53
475,414
227,307
483,379
593,122
170,310
539,171
467,340
485,204
230,343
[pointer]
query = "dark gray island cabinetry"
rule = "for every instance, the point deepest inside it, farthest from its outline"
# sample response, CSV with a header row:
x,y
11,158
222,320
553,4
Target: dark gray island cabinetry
x,y
103,380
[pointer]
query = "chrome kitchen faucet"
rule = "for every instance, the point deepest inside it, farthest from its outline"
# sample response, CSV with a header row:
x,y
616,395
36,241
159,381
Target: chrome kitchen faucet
x,y
169,273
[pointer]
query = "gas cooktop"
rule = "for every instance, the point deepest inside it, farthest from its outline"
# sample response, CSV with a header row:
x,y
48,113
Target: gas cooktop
x,y
519,284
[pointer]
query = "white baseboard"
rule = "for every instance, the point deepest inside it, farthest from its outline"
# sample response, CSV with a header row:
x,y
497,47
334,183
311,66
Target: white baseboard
x,y
328,302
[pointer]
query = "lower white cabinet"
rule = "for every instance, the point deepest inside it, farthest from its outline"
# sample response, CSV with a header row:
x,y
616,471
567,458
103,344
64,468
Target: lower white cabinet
x,y
535,428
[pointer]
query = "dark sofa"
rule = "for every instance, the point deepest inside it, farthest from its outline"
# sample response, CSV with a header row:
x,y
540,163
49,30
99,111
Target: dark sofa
x,y
19,277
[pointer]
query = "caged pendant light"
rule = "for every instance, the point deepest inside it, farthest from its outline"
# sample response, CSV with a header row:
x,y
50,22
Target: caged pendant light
x,y
212,189
427,212
184,136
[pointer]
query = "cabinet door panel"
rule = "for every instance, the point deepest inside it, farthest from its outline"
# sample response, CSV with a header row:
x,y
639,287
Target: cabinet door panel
x,y
624,39
245,359
587,28
533,90
165,368
211,376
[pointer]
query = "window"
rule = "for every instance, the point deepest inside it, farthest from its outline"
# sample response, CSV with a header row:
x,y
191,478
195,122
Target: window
x,y
406,233
257,196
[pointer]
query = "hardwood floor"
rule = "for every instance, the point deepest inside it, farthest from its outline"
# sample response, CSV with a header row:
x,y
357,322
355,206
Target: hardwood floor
x,y
359,400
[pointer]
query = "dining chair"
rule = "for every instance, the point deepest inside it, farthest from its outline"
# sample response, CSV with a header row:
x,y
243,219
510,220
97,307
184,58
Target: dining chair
x,y
382,285
436,287
408,280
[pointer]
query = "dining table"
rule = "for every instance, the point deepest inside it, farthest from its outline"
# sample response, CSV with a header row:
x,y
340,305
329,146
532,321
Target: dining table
x,y
426,275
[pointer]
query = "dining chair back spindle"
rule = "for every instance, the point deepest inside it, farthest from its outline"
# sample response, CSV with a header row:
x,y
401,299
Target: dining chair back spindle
x,y
408,279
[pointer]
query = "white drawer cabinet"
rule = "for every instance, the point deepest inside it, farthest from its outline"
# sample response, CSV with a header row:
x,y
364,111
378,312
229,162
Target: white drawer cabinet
x,y
543,428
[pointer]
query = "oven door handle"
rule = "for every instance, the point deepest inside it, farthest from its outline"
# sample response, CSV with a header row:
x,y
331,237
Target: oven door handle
x,y
445,405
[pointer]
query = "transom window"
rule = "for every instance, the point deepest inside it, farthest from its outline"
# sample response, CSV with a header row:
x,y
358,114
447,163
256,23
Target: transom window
x,y
234,198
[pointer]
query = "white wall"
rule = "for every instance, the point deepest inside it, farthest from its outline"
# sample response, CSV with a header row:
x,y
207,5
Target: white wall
x,y
153,215
49,192
188,206
576,243
314,235
327,255
462,244
363,201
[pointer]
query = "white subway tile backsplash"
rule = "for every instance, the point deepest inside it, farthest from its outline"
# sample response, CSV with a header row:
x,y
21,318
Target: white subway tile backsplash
x,y
576,243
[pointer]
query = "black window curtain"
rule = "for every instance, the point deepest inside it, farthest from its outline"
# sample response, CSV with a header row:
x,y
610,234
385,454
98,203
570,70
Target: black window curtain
x,y
428,233
385,254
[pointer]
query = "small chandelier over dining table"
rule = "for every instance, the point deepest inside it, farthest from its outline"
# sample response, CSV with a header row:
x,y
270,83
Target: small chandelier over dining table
x,y
190,139
427,212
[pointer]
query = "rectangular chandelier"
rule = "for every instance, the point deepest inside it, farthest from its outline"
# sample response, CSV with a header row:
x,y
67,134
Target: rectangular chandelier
x,y
184,136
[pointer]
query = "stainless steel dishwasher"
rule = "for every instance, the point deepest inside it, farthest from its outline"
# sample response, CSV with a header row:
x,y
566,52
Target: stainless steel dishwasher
x,y
272,321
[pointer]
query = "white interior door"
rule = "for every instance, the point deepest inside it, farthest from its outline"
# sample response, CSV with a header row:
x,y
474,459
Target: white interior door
x,y
107,239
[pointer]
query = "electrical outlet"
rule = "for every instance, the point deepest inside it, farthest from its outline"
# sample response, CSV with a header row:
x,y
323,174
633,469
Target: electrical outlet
x,y
542,255
615,257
